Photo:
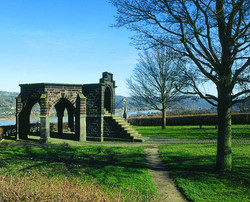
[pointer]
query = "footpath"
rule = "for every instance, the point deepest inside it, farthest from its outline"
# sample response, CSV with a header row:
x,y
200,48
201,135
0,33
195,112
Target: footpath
x,y
167,191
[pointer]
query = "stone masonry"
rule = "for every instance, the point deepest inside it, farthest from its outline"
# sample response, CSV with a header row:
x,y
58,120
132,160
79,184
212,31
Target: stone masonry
x,y
90,107
84,104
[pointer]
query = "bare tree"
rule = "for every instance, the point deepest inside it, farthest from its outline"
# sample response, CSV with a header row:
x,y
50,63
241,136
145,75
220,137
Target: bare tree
x,y
214,34
153,81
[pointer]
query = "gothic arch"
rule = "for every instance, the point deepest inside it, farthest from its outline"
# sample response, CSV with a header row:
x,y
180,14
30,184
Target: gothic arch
x,y
62,105
108,99
57,97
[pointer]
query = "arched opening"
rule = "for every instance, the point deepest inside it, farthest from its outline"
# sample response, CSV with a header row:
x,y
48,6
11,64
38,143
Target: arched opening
x,y
34,120
107,99
29,119
64,125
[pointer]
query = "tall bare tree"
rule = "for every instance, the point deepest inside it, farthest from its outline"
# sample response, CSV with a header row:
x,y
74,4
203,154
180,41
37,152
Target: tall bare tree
x,y
214,34
153,81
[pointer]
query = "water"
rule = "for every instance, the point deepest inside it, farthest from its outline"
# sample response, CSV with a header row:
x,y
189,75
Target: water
x,y
7,122
65,119
147,112
35,120
139,113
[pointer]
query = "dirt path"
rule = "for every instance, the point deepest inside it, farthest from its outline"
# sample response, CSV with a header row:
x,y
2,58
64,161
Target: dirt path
x,y
167,190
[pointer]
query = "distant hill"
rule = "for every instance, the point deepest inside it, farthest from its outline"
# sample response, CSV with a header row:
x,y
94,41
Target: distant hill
x,y
188,104
7,103
7,99
131,105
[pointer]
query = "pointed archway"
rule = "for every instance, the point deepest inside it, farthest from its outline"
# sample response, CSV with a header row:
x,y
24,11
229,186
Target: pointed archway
x,y
61,106
107,99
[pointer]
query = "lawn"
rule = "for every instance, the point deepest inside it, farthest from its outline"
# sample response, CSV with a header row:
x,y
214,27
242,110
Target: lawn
x,y
59,172
240,132
113,172
192,168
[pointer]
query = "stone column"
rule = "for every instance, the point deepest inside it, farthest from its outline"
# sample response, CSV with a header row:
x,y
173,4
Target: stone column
x,y
71,120
22,120
44,128
44,119
81,117
102,127
60,123
19,106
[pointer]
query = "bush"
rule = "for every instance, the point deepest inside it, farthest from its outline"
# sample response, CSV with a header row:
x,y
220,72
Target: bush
x,y
1,134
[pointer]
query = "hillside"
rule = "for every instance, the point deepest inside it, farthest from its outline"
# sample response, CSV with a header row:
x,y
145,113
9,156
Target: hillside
x,y
188,104
7,103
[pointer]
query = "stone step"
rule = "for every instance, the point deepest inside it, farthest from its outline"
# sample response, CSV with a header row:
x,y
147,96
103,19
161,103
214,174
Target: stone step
x,y
130,131
127,127
141,139
123,122
135,135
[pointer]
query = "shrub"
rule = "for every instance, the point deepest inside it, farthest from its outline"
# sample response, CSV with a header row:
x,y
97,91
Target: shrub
x,y
1,133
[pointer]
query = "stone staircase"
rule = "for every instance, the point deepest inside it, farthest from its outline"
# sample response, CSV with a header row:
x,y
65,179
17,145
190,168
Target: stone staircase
x,y
127,128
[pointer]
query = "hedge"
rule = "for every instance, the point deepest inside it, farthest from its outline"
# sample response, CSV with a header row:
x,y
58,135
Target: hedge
x,y
1,133
200,119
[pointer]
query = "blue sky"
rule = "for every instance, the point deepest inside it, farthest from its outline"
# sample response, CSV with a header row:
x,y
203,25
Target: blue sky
x,y
62,41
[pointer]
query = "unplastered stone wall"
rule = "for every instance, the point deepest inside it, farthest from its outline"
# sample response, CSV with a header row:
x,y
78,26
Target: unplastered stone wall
x,y
93,94
93,128
54,94
86,102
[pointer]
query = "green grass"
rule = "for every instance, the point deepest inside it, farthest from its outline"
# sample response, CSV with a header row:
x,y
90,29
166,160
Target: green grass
x,y
122,167
240,132
192,167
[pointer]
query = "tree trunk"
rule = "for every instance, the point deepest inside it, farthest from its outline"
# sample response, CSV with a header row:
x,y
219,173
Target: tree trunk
x,y
224,152
163,126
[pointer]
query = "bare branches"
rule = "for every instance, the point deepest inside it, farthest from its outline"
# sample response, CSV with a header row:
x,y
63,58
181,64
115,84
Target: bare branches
x,y
214,34
243,100
152,82
239,71
240,93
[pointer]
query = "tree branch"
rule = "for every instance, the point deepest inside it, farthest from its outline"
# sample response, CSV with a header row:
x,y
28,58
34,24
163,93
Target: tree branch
x,y
240,93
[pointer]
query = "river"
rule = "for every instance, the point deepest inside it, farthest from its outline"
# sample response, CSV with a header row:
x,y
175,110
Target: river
x,y
13,121
65,119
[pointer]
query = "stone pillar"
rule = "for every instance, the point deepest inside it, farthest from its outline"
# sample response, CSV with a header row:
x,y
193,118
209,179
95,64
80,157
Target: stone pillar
x,y
82,128
81,117
44,119
102,127
71,121
19,106
22,119
60,123
44,128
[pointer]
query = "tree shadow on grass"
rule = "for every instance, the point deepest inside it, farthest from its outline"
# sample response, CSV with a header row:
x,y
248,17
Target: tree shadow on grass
x,y
94,161
201,169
